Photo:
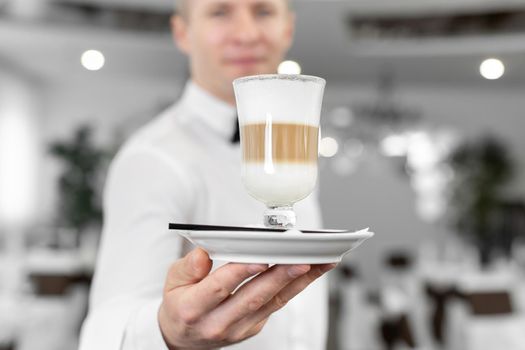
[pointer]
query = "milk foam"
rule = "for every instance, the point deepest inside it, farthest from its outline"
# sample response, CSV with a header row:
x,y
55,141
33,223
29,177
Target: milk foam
x,y
279,98
284,184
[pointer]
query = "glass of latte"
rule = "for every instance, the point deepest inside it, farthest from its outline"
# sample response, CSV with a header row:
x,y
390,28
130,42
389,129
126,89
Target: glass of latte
x,y
279,128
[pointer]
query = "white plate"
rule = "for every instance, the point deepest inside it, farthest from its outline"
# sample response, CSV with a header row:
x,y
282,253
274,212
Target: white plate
x,y
290,247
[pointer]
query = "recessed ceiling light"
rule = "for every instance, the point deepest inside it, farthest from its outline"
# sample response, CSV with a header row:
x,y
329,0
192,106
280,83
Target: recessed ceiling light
x,y
289,67
92,60
492,69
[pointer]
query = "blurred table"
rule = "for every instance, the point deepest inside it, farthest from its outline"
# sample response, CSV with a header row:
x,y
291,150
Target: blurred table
x,y
57,303
474,308
53,272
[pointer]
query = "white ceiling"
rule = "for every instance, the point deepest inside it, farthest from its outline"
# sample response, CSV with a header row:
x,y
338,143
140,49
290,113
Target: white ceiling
x,y
322,46
149,4
361,6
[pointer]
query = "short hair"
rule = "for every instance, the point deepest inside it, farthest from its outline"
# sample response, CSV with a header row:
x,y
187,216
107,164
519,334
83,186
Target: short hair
x,y
181,6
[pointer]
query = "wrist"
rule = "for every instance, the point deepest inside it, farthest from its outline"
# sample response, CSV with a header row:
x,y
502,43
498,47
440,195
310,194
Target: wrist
x,y
164,321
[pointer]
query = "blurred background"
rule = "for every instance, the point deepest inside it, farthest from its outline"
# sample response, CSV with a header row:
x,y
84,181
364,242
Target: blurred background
x,y
422,140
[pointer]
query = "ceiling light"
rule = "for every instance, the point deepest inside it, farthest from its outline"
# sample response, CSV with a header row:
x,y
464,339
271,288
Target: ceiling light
x,y
289,67
92,60
492,69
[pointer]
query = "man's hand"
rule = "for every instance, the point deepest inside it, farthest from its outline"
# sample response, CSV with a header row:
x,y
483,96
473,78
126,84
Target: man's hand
x,y
205,311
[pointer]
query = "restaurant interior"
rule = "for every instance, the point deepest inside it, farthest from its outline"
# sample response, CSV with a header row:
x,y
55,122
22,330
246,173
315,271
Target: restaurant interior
x,y
422,140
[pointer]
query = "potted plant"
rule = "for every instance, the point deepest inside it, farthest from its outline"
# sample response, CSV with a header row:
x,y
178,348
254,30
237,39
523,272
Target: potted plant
x,y
482,168
79,185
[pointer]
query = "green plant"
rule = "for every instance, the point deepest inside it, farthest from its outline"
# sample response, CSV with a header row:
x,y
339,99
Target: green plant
x,y
79,185
482,168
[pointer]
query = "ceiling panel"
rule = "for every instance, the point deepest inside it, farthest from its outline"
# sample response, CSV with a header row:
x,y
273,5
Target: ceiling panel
x,y
53,51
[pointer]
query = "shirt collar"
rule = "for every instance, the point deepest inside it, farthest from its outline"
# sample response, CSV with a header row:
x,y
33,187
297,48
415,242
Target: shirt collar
x,y
217,114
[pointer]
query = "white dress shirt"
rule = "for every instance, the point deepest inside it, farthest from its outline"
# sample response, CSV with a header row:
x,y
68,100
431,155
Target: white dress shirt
x,y
181,167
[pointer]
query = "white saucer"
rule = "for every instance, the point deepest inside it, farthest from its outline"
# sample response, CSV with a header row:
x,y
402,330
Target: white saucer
x,y
290,247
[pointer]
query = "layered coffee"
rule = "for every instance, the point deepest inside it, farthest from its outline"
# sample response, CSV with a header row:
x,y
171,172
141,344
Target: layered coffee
x,y
279,117
283,142
279,161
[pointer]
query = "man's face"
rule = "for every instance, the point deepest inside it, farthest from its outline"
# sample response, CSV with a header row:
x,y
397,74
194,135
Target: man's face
x,y
227,39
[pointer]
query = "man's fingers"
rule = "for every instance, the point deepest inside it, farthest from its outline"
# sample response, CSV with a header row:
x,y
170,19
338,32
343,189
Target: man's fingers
x,y
256,293
241,334
189,270
216,287
284,296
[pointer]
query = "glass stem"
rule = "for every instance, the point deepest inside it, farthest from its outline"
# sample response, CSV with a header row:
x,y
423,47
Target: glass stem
x,y
279,217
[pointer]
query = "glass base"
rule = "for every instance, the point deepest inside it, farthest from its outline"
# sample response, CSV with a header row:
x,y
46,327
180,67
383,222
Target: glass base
x,y
279,217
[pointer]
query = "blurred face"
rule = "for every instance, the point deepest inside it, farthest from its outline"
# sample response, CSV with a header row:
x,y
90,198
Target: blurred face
x,y
227,39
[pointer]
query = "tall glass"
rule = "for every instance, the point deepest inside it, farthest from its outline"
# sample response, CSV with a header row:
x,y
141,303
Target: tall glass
x,y
279,127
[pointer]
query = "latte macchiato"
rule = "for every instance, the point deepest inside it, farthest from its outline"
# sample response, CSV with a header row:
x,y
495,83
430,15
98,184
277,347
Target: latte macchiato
x,y
279,124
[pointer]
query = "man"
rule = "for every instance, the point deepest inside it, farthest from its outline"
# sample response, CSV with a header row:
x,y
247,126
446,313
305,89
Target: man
x,y
183,167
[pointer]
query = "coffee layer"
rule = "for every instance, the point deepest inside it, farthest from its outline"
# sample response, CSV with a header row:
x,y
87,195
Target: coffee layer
x,y
283,142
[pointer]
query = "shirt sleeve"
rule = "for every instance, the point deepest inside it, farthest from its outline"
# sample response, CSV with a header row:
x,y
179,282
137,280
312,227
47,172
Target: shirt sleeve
x,y
145,190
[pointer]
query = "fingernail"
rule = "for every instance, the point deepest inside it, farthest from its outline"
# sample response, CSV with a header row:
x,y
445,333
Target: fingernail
x,y
194,260
193,256
253,269
298,270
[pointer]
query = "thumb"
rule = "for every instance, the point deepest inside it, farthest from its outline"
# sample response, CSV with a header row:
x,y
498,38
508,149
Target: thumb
x,y
189,270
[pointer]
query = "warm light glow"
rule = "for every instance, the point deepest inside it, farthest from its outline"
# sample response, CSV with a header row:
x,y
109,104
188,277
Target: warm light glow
x,y
492,69
92,60
328,147
394,146
422,153
289,67
429,182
